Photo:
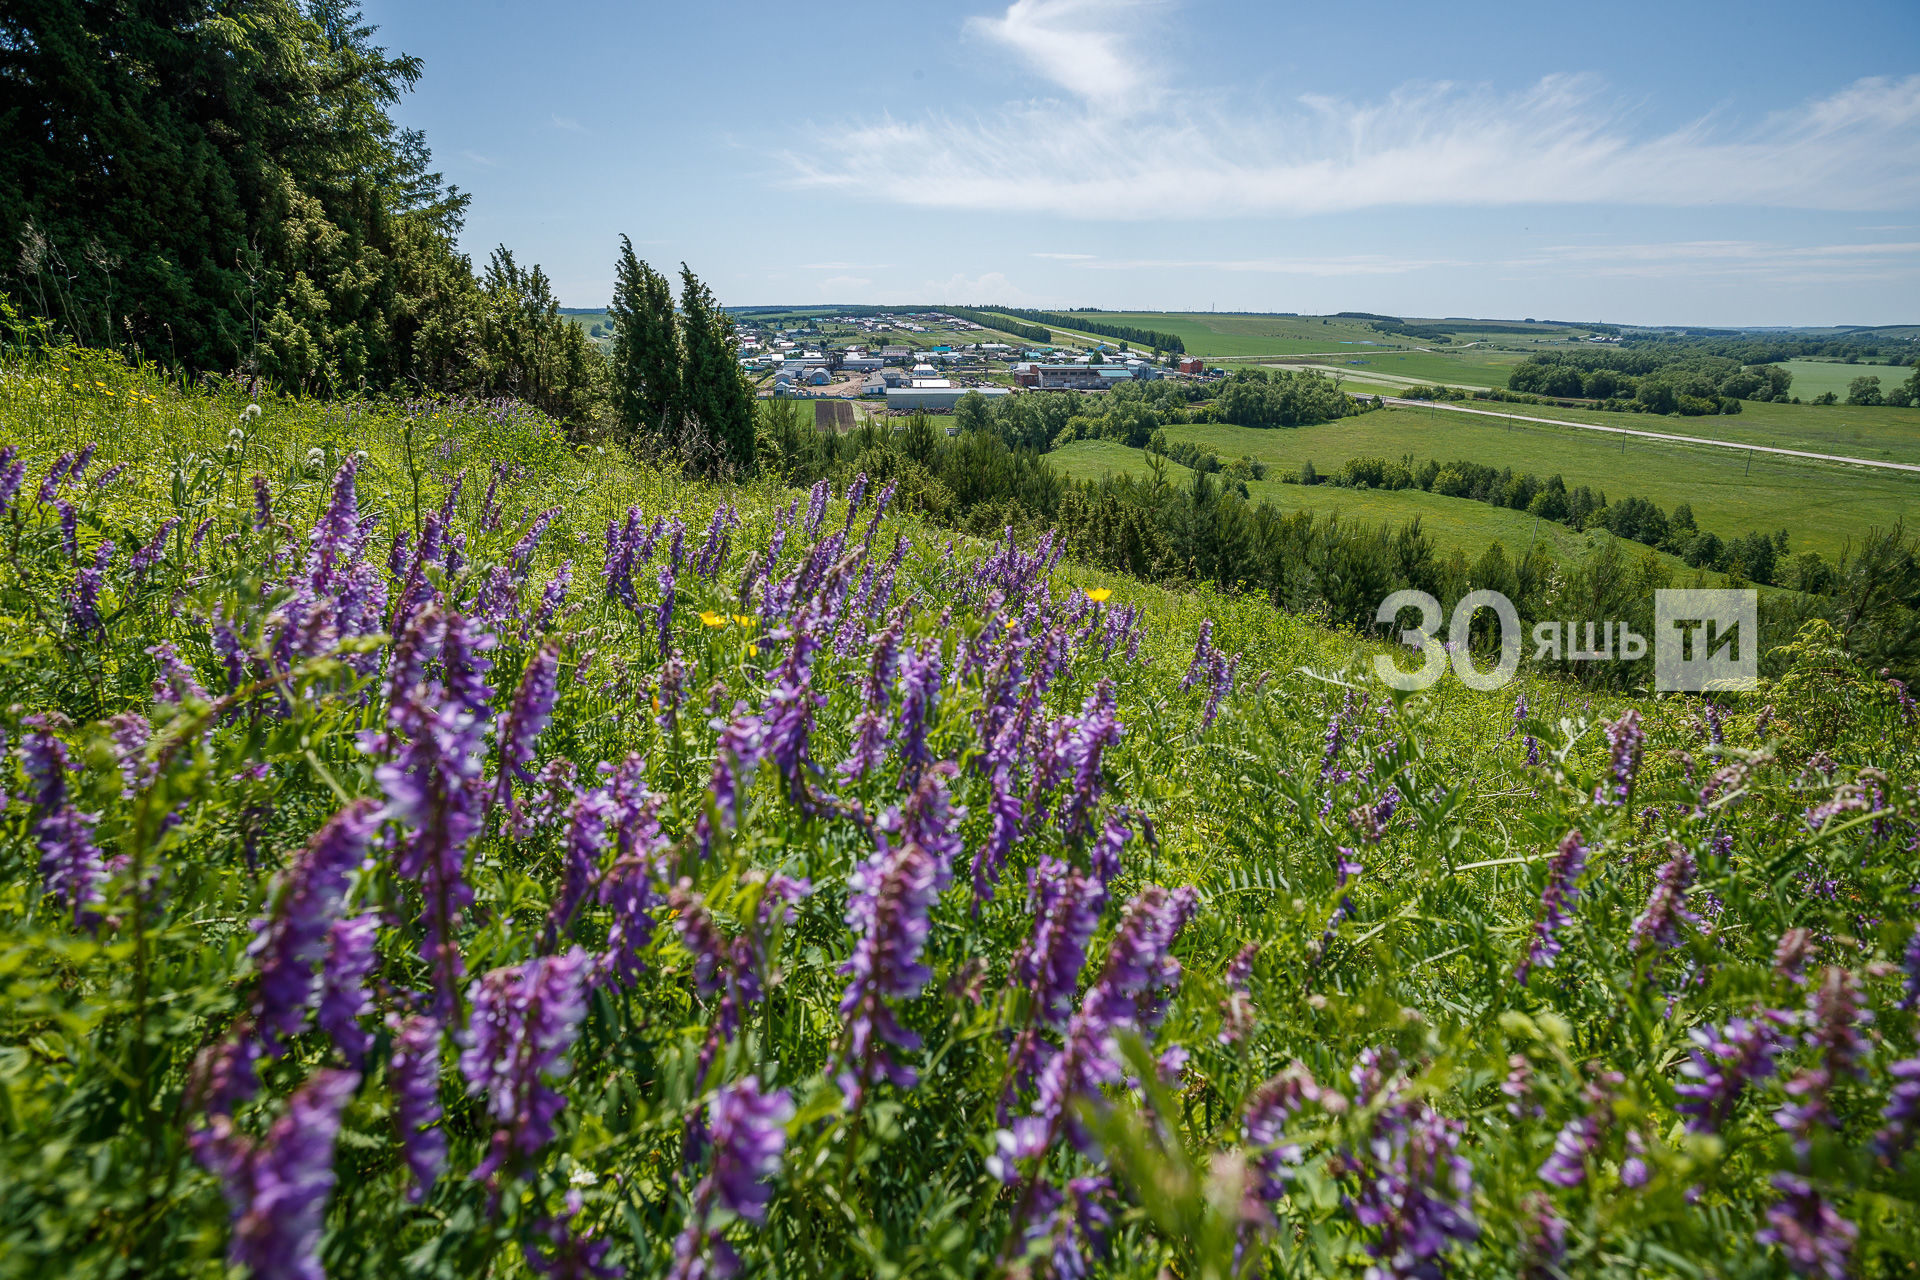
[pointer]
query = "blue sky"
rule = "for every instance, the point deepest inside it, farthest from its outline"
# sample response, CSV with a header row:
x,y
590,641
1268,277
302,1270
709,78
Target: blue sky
x,y
1689,162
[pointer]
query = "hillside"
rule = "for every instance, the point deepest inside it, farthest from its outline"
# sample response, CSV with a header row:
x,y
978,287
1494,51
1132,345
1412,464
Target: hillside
x,y
441,843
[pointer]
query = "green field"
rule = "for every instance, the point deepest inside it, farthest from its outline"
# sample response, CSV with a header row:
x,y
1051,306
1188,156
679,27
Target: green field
x,y
1214,336
1817,377
1478,366
1454,523
1879,432
1820,505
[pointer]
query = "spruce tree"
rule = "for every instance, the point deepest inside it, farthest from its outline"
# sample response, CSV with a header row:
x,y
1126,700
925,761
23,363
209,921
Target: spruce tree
x,y
646,349
716,396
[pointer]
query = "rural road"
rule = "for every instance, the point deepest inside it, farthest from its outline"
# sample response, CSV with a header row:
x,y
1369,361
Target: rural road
x,y
1912,468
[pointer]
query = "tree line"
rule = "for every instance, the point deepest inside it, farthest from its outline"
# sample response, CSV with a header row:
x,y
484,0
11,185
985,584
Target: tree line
x,y
220,185
1004,323
1139,337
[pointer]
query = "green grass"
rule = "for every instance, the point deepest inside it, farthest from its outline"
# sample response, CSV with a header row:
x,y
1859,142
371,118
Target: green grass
x,y
1879,432
1817,377
1455,524
1821,506
1473,367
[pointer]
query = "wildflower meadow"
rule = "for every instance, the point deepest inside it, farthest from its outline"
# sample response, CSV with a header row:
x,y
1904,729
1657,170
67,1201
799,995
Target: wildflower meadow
x,y
434,846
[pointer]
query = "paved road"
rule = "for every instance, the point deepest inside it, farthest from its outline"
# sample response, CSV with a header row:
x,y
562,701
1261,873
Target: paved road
x,y
1913,468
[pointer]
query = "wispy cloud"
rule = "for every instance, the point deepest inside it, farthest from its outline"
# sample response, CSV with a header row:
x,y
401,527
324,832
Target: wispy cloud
x,y
1084,46
1564,140
1746,260
568,123
477,158
1329,267
845,266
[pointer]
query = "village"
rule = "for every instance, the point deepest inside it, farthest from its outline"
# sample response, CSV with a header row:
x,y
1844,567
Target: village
x,y
925,361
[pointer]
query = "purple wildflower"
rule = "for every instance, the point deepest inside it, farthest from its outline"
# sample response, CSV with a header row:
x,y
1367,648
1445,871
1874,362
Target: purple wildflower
x,y
889,898
748,1131
433,784
1415,1186
1092,734
1202,656
1580,1137
83,603
1625,738
919,687
145,558
1065,906
344,998
1659,925
521,555
1815,1238
71,866
50,486
664,615
1237,1013
279,1186
262,505
69,528
1263,1128
1556,905
290,940
527,718
1104,854
1901,1117
414,1074
525,1018
1721,1065
551,599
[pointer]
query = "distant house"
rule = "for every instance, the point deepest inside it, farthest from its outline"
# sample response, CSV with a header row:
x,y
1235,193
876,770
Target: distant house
x,y
1192,364
861,363
893,377
897,355
924,370
875,385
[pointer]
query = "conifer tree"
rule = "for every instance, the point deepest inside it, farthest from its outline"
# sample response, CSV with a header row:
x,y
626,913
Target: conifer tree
x,y
716,396
646,349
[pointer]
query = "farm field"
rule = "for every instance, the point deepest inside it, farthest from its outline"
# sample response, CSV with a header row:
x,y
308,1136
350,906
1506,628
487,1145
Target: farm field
x,y
1455,524
1482,366
1878,432
1821,506
1220,336
1817,377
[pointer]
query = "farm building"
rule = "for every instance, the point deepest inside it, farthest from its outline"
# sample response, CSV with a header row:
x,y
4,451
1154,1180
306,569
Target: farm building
x,y
936,398
861,363
1192,364
1078,377
897,355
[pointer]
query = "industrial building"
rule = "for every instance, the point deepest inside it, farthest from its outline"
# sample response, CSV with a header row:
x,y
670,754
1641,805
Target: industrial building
x,y
935,399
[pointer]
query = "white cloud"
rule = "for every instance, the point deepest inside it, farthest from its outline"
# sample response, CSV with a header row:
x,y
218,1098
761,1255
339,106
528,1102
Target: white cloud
x,y
477,158
963,290
1081,45
1562,141
568,123
1746,260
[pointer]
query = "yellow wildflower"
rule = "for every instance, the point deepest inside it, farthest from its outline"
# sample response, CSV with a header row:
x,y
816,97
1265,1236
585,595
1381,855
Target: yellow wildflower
x,y
1100,595
708,618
